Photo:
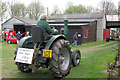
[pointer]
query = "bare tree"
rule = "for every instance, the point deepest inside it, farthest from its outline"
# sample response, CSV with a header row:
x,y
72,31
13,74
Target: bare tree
x,y
119,7
35,9
92,9
69,4
18,9
3,9
108,7
56,10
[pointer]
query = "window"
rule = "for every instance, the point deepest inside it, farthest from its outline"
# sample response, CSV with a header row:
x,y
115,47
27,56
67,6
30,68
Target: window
x,y
11,30
85,33
6,30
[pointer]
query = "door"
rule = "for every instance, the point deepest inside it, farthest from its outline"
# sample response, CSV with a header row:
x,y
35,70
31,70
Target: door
x,y
20,28
106,33
72,30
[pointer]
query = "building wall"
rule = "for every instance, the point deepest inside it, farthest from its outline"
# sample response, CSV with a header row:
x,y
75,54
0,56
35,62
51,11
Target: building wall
x,y
72,31
92,31
10,23
92,28
101,24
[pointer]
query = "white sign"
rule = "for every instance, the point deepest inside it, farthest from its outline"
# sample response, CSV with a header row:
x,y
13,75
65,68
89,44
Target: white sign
x,y
112,17
79,35
24,55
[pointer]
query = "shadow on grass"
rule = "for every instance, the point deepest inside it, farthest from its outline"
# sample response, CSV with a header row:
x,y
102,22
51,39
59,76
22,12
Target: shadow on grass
x,y
40,73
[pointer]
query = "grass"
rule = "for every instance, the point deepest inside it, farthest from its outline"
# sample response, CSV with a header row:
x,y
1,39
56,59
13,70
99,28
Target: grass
x,y
89,45
92,63
110,44
0,60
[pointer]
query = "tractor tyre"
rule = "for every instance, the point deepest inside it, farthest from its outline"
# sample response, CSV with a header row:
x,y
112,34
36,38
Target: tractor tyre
x,y
76,56
9,42
24,67
60,63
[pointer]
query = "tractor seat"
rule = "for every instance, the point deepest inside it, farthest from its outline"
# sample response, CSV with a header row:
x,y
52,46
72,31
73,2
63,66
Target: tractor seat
x,y
37,35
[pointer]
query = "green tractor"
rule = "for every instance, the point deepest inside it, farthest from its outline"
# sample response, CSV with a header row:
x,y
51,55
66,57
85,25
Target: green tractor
x,y
55,53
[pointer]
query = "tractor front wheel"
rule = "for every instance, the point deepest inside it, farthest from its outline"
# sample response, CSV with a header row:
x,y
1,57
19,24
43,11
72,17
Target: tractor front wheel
x,y
60,63
76,57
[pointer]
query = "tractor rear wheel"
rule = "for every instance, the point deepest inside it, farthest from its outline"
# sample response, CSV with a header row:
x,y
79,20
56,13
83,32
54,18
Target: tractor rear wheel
x,y
24,67
60,63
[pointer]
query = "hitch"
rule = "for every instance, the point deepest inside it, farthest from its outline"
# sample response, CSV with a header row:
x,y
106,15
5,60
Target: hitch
x,y
35,58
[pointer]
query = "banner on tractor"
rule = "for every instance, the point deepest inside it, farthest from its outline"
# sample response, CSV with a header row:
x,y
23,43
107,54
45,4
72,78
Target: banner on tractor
x,y
24,55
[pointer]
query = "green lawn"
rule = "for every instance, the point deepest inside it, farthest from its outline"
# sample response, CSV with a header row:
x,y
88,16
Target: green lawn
x,y
110,44
89,45
92,63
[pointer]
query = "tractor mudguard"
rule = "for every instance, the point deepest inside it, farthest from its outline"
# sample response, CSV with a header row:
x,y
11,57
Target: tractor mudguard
x,y
24,42
52,40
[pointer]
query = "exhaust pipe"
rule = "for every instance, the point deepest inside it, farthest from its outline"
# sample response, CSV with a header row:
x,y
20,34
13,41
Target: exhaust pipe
x,y
66,29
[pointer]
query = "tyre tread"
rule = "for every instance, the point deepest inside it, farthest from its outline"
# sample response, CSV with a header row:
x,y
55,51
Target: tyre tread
x,y
54,66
